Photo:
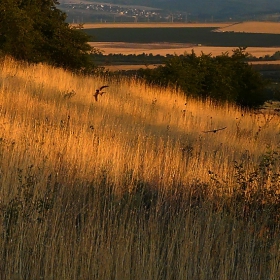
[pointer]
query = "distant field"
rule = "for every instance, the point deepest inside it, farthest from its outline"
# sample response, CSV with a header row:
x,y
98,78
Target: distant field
x,y
247,27
171,48
154,25
151,66
253,27
187,35
178,38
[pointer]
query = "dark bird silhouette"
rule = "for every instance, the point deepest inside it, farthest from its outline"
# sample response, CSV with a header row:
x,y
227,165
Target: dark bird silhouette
x,y
214,130
99,91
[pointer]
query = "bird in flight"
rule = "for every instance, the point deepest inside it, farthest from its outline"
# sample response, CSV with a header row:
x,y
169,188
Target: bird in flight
x,y
214,130
99,91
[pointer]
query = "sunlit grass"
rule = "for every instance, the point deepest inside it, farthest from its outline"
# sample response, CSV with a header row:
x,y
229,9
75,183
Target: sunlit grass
x,y
127,187
132,124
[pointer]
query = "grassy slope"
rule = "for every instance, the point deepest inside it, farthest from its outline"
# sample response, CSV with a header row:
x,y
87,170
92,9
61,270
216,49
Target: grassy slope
x,y
129,187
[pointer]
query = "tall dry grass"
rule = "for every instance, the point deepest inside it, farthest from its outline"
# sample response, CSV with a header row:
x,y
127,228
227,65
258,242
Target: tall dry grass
x,y
130,187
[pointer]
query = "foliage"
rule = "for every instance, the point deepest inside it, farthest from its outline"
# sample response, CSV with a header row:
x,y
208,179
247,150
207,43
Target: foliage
x,y
115,59
145,58
25,205
36,31
223,78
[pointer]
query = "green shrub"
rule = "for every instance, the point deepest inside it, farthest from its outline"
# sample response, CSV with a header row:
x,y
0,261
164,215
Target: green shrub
x,y
223,78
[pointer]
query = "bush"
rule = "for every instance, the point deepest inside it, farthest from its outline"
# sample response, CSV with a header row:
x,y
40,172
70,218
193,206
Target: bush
x,y
223,78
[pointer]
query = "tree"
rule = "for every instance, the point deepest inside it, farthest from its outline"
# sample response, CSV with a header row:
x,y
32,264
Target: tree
x,y
223,78
36,31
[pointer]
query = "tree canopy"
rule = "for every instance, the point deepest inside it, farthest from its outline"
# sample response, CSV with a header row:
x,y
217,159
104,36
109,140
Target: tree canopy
x,y
36,31
223,78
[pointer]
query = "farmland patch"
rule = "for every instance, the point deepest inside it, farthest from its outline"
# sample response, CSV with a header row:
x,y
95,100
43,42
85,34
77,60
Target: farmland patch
x,y
174,48
253,27
199,36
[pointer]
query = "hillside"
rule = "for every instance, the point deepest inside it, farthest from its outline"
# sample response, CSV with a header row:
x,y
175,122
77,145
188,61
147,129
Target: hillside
x,y
204,9
145,183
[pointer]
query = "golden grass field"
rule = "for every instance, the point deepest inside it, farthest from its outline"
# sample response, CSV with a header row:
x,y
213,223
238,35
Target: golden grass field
x,y
253,27
131,187
171,48
125,67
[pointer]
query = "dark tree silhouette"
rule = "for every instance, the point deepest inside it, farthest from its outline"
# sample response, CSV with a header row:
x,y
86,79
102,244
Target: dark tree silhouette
x,y
36,31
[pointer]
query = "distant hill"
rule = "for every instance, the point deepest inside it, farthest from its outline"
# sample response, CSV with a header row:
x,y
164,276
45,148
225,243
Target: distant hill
x,y
223,9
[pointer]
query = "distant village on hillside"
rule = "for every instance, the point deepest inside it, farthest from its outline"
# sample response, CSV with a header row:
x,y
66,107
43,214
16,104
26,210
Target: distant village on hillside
x,y
85,12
